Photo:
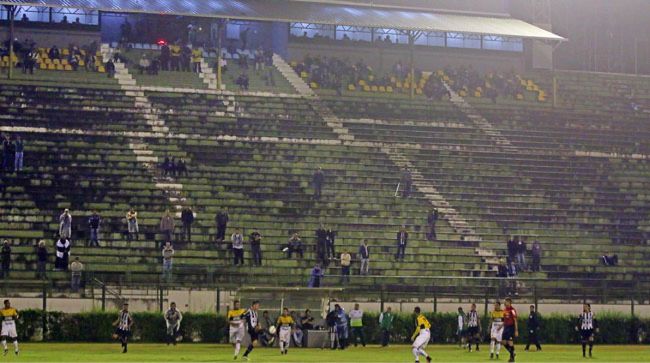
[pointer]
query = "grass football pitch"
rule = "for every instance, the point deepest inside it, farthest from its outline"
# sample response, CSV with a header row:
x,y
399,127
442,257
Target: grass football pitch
x,y
73,352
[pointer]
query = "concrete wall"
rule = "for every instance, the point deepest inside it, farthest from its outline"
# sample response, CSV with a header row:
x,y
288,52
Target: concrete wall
x,y
383,59
49,37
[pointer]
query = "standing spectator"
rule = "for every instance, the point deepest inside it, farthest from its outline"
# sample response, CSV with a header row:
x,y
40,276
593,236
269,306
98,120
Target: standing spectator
x,y
316,276
175,52
76,269
318,179
364,257
342,320
238,247
144,63
6,153
167,226
165,55
321,245
330,238
536,251
181,168
6,258
222,223
243,36
187,217
41,260
197,54
186,58
93,223
132,225
432,219
295,246
19,148
256,247
407,183
167,255
62,254
386,325
29,61
65,224
512,247
533,328
402,240
521,255
346,260
356,322
110,68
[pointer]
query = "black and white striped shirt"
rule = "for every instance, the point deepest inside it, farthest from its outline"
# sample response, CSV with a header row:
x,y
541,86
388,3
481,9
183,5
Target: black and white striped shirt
x,y
587,321
472,319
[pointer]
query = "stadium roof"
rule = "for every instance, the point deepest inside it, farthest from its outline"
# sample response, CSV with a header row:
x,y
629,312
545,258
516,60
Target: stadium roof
x,y
310,12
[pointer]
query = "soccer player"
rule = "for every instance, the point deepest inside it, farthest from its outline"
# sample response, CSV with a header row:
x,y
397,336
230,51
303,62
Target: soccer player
x,y
285,323
586,325
473,328
496,331
236,323
253,327
510,328
460,330
123,324
9,316
173,319
421,335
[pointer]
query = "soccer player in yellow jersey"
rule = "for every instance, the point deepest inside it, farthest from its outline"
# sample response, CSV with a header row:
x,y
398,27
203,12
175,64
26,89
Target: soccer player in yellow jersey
x,y
9,316
285,325
236,323
421,335
496,332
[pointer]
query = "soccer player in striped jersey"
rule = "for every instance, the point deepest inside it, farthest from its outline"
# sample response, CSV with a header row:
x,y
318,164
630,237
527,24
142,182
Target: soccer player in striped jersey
x,y
236,324
253,324
9,316
123,324
496,329
285,324
473,328
173,319
421,335
587,325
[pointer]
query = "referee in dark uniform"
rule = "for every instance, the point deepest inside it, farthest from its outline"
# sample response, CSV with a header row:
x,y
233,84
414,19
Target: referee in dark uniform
x,y
533,328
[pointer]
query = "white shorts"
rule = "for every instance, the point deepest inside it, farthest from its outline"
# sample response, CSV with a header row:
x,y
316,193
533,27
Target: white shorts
x,y
285,335
423,339
237,334
9,329
497,332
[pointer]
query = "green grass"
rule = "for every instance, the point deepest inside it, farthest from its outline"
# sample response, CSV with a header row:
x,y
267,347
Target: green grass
x,y
70,352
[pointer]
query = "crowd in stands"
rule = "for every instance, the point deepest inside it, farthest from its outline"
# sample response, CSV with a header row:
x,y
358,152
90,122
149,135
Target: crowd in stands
x,y
491,85
13,151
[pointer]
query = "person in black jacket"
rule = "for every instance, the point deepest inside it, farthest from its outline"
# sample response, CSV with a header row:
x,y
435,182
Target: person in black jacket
x,y
222,223
318,180
187,217
432,218
41,260
330,238
402,239
533,328
6,258
256,247
321,245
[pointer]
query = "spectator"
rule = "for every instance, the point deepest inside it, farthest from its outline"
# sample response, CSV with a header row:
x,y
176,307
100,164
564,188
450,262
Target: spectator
x,y
62,254
222,223
93,224
175,62
356,322
197,54
243,36
168,256
76,269
238,247
364,257
402,240
321,245
512,268
316,276
125,30
307,321
54,53
110,68
295,246
29,61
7,153
65,224
386,325
318,179
187,217
73,61
432,219
181,168
19,148
536,252
224,64
521,255
186,58
89,61
330,238
243,82
64,20
299,331
6,258
407,183
24,19
165,57
533,329
41,260
144,63
266,338
342,320
132,225
609,260
346,260
256,247
167,226
512,247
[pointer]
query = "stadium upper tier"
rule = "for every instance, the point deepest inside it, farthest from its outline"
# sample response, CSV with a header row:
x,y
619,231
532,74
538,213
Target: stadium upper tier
x,y
563,175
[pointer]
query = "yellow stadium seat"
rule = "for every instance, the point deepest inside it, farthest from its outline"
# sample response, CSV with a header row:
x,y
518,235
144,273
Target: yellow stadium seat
x,y
303,74
65,51
382,89
82,63
418,91
398,84
59,67
313,85
351,87
520,96
67,67
371,78
462,93
393,79
43,66
362,82
389,89
477,94
294,64
374,88
366,88
101,69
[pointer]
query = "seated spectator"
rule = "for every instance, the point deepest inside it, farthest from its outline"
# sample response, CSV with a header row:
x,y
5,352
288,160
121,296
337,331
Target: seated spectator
x,y
144,63
54,53
294,246
609,260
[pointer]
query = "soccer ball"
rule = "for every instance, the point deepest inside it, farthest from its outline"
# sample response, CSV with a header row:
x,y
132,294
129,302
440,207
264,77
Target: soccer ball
x,y
272,330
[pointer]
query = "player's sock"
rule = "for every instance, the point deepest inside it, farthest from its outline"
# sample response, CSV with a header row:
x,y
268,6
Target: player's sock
x,y
591,347
423,353
416,354
498,348
584,349
237,348
512,351
248,350
15,345
492,343
4,344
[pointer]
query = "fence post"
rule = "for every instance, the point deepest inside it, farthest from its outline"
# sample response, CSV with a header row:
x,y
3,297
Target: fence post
x,y
103,297
160,303
435,304
218,300
381,299
44,322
